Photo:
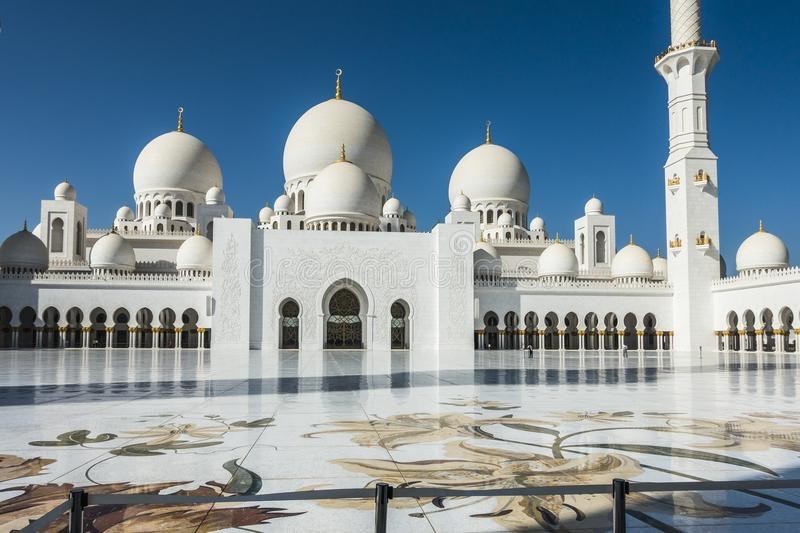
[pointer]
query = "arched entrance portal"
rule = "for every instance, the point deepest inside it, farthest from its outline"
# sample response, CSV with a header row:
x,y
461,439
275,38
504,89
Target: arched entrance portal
x,y
344,323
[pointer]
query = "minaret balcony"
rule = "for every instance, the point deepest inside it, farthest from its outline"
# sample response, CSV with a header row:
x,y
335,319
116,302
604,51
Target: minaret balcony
x,y
701,179
675,245
673,183
703,242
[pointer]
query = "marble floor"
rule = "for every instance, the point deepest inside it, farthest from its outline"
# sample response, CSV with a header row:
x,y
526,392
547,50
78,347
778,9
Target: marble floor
x,y
214,422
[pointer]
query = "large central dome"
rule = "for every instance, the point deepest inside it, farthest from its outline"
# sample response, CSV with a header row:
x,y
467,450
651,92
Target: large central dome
x,y
490,172
176,160
316,137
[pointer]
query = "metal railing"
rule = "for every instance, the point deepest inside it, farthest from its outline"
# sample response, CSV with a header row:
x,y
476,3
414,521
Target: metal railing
x,y
79,499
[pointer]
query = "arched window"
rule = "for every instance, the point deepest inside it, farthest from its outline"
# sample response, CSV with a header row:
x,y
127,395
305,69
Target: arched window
x,y
582,249
489,216
301,223
275,225
190,210
399,326
178,208
57,235
600,248
389,227
290,325
402,228
160,228
79,239
288,224
210,230
147,208
301,201
480,216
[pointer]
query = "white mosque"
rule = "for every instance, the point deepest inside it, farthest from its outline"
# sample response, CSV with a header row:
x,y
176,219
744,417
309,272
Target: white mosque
x,y
338,262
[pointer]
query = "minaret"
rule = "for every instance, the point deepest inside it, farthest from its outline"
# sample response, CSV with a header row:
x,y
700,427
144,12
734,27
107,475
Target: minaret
x,y
690,179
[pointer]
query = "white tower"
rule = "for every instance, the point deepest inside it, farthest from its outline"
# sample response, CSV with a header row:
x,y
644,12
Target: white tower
x,y
595,238
63,227
691,185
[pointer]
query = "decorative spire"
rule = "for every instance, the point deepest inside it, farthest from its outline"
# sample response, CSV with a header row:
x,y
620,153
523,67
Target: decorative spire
x,y
658,252
488,132
630,241
339,72
557,238
342,155
25,225
760,226
684,21
180,119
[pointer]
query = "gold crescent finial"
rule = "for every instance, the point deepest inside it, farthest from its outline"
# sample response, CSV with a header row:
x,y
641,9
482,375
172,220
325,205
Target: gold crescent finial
x,y
339,73
488,132
342,155
180,118
760,225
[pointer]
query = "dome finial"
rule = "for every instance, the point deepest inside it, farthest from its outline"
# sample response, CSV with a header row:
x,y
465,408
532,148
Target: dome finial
x,y
25,225
557,238
760,226
342,155
180,119
488,132
339,72
630,241
658,252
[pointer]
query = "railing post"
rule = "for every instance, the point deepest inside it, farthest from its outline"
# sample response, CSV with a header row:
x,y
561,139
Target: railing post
x,y
383,493
77,500
619,488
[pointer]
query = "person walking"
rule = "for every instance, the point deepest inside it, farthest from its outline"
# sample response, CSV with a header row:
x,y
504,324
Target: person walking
x,y
530,351
625,351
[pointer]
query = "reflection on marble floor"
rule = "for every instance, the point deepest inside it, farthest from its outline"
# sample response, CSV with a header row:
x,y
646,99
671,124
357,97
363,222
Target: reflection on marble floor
x,y
225,423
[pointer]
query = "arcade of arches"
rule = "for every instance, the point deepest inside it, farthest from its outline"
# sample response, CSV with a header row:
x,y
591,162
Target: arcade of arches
x,y
765,331
100,329
591,332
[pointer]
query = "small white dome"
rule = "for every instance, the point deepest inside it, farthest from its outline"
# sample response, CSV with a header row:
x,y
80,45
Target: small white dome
x,y
215,196
64,191
195,253
112,251
392,208
125,213
460,203
162,211
486,259
762,250
265,214
176,160
632,261
283,204
342,189
317,135
660,265
490,172
24,250
505,220
411,219
558,260
593,207
537,224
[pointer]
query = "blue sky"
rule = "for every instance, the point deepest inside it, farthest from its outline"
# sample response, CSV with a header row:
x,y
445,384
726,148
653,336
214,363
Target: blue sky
x,y
569,86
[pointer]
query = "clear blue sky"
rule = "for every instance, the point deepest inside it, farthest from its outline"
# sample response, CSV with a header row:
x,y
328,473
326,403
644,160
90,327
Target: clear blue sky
x,y
569,86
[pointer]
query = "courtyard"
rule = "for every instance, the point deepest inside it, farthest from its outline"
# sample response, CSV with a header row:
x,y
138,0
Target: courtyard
x,y
215,422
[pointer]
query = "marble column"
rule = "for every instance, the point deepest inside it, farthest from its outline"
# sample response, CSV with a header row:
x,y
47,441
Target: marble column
x,y
601,340
541,340
15,337
759,340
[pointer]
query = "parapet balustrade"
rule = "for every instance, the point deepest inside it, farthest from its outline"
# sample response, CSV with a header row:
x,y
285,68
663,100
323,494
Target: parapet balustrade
x,y
756,277
109,275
